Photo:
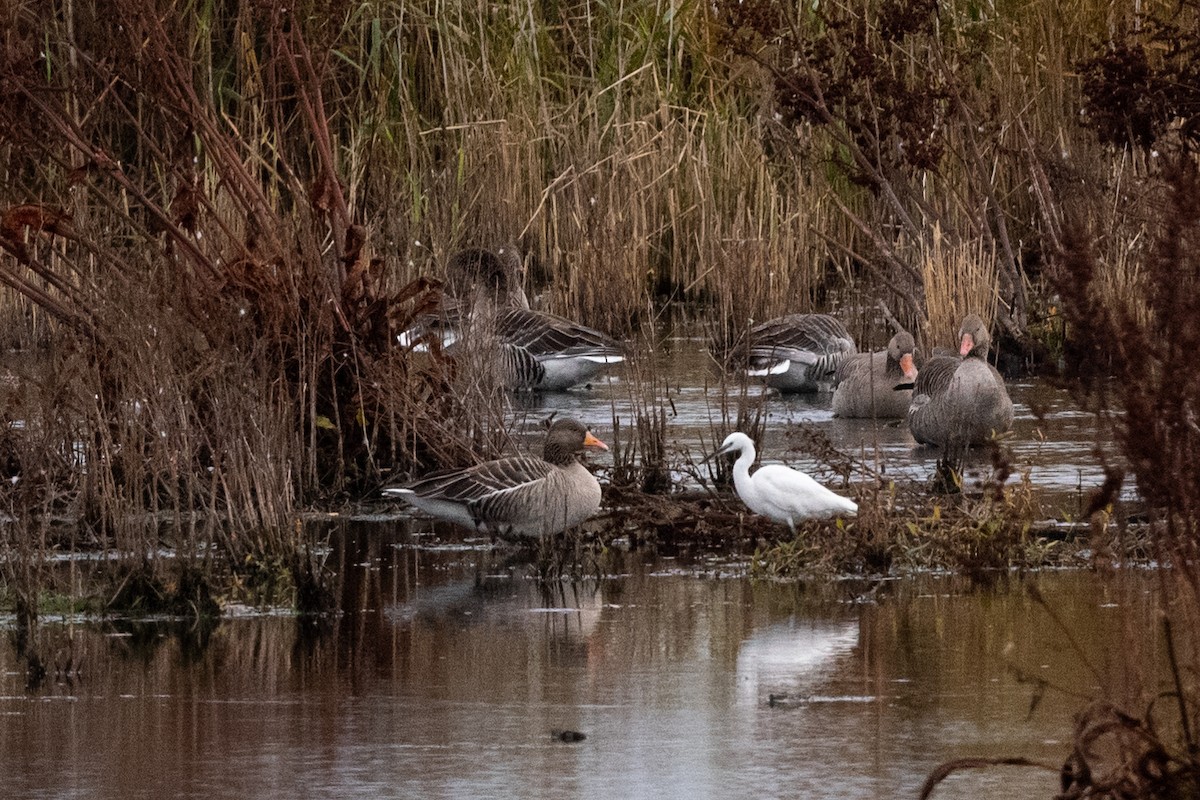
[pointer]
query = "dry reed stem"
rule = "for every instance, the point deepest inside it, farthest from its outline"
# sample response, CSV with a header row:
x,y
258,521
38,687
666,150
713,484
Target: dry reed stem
x,y
959,280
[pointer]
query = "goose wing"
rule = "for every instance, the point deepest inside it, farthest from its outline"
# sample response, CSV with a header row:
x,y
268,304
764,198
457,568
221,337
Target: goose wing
x,y
818,333
810,339
935,376
545,334
478,484
443,326
851,365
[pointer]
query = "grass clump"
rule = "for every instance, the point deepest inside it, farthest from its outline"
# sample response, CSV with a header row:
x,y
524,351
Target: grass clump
x,y
213,346
984,538
1126,272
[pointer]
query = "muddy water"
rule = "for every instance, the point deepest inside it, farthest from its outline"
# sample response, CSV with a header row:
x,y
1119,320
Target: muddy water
x,y
449,671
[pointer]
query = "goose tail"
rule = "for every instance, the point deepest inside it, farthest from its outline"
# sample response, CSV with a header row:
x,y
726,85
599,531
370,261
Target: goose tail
x,y
775,369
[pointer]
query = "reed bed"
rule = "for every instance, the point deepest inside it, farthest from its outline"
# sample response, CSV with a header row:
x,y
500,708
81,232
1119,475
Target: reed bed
x,y
1126,274
959,280
215,217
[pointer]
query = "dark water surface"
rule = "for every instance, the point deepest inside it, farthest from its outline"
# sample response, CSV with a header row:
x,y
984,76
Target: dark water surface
x,y
449,671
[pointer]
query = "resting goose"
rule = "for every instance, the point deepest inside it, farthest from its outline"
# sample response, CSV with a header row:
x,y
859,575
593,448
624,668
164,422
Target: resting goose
x,y
499,275
795,353
866,382
779,492
528,349
568,353
517,496
959,401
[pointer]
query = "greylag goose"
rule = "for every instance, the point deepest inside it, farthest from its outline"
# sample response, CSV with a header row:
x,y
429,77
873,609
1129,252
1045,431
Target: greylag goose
x,y
567,353
959,401
500,275
795,353
866,382
517,496
779,492
529,349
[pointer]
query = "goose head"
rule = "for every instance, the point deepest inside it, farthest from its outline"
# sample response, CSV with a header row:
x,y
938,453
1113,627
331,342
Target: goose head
x,y
493,277
973,337
511,263
900,351
566,440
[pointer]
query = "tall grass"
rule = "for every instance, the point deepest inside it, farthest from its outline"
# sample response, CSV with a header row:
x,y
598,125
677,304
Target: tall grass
x,y
643,150
225,323
1126,274
960,279
214,214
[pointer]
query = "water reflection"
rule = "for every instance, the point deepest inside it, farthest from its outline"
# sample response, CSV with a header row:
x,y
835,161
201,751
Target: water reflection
x,y
450,668
782,663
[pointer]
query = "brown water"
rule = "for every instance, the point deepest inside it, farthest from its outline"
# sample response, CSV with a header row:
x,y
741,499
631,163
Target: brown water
x,y
449,671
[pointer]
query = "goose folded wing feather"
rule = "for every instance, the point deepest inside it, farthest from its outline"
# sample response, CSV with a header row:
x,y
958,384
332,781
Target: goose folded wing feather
x,y
937,374
546,334
484,480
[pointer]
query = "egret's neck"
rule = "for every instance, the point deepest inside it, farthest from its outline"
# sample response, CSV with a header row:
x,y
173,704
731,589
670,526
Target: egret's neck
x,y
741,470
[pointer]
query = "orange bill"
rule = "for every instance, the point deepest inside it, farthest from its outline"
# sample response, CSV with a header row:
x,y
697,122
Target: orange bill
x,y
592,441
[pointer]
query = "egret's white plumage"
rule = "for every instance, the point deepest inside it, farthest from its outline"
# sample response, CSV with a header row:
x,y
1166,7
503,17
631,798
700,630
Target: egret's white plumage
x,y
781,493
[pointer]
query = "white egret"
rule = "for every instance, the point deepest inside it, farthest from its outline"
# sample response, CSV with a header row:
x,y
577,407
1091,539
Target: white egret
x,y
779,492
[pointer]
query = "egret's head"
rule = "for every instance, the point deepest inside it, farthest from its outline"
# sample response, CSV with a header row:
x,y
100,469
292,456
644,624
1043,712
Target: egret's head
x,y
735,443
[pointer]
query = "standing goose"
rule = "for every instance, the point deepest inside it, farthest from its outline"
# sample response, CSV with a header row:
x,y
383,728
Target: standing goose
x,y
781,493
795,353
959,401
517,496
866,382
528,349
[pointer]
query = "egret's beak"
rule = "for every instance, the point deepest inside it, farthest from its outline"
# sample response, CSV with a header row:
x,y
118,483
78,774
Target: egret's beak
x,y
718,452
592,441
